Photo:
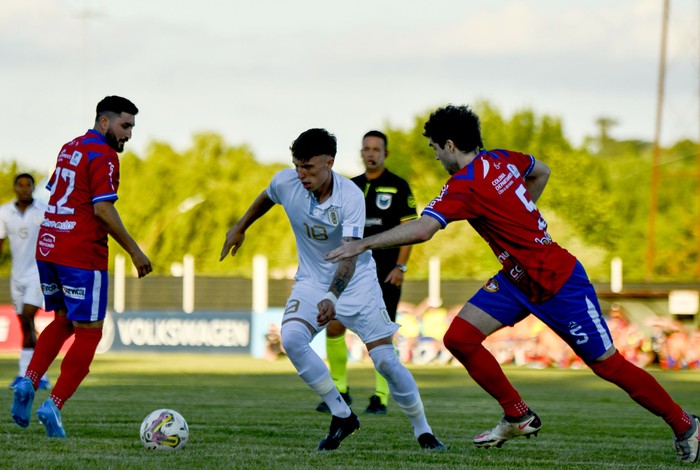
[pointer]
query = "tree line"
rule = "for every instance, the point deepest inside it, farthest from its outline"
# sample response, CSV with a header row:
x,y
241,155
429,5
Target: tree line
x,y
596,203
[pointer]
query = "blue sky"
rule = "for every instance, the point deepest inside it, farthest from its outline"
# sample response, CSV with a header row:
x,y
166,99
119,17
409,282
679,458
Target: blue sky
x,y
259,73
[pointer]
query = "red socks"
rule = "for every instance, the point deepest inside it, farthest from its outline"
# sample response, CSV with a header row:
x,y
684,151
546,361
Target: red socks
x,y
464,340
76,365
643,389
47,347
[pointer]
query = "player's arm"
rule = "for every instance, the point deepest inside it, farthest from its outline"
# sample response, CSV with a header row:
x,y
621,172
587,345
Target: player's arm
x,y
341,278
236,235
395,276
107,213
537,180
412,232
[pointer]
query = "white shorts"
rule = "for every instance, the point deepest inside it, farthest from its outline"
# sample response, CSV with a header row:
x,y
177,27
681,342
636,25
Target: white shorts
x,y
365,315
26,291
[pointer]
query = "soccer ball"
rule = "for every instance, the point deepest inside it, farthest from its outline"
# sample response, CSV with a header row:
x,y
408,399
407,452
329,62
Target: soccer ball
x,y
164,429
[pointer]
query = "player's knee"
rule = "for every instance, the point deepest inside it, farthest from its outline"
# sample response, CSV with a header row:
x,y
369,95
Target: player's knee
x,y
335,329
609,367
384,359
295,338
462,337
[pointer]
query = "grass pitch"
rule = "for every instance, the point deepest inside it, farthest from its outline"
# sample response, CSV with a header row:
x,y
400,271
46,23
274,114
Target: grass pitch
x,y
248,413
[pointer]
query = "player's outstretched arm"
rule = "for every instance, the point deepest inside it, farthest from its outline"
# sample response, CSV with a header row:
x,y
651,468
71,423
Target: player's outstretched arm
x,y
415,231
107,213
236,235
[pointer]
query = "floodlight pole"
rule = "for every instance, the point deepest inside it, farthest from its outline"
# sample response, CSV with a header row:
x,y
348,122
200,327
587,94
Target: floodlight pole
x,y
651,235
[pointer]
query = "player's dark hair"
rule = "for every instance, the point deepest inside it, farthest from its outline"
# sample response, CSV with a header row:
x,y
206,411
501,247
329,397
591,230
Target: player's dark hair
x,y
456,123
115,105
312,143
25,175
379,134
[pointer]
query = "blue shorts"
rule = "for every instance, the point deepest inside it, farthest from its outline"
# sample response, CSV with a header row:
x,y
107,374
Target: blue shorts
x,y
81,292
573,313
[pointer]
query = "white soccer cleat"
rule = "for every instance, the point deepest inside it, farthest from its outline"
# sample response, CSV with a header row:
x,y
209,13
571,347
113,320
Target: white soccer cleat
x,y
687,445
529,425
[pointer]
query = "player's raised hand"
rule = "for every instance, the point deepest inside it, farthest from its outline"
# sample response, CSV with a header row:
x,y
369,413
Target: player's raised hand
x,y
234,240
344,251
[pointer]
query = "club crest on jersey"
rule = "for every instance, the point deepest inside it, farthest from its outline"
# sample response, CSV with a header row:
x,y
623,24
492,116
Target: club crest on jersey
x,y
491,285
383,201
333,217
75,158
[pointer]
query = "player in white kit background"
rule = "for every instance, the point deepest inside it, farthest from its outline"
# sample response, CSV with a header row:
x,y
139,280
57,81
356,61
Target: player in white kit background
x,y
19,224
326,210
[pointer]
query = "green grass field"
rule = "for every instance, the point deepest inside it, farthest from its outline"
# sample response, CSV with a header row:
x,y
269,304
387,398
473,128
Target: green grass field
x,y
249,413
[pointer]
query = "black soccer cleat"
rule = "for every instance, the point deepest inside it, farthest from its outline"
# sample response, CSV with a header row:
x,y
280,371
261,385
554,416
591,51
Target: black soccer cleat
x,y
375,406
430,442
340,429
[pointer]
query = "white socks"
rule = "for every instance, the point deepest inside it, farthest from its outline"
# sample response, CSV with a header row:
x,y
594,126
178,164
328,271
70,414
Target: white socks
x,y
402,386
311,368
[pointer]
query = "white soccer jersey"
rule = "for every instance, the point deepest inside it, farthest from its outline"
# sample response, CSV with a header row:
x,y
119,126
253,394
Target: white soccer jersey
x,y
22,230
319,228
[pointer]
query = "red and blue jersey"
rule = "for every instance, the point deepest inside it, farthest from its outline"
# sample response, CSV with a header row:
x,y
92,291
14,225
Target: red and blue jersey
x,y
87,172
490,193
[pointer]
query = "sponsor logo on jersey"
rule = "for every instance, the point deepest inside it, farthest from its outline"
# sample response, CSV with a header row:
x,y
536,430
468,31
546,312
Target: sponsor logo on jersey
x,y
373,222
503,182
75,158
333,218
65,226
491,285
46,243
439,198
545,240
513,169
383,201
516,272
77,293
49,289
503,256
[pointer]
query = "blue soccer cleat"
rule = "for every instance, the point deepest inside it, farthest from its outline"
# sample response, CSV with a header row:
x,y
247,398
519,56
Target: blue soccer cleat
x,y
22,404
44,384
50,416
14,383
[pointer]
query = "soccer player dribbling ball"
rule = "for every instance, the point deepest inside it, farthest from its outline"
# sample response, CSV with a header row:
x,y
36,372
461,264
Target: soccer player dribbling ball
x,y
496,191
325,211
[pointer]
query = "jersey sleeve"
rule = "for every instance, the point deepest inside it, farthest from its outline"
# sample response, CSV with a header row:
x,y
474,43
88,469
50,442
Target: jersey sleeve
x,y
273,189
523,162
453,203
354,212
104,177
